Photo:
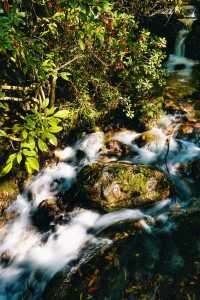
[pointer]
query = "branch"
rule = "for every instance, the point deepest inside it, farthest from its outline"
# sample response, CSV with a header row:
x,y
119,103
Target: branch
x,y
18,99
11,99
17,88
68,62
99,59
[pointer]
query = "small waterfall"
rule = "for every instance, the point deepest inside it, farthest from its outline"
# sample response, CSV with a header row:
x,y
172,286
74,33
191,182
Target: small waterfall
x,y
177,62
180,43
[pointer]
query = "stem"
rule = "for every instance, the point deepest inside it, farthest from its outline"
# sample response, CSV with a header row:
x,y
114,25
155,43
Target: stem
x,y
17,88
11,99
68,62
53,91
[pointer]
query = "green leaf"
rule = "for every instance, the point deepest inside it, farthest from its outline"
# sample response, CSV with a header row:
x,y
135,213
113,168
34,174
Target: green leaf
x,y
6,169
45,103
16,128
24,134
42,146
19,157
50,111
62,114
59,16
52,139
29,144
33,163
53,121
2,133
64,75
27,152
82,45
11,158
55,129
28,168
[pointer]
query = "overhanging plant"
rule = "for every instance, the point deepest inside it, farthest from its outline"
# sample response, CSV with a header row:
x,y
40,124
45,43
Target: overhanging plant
x,y
32,134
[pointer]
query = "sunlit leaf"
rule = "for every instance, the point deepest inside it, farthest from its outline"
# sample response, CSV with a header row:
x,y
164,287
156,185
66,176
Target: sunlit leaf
x,y
33,163
42,146
27,152
2,133
52,139
62,114
6,169
11,158
28,168
64,75
24,134
55,129
82,45
45,103
50,111
19,157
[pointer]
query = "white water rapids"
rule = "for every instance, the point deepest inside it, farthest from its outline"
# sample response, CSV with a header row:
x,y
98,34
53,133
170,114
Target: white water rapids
x,y
29,258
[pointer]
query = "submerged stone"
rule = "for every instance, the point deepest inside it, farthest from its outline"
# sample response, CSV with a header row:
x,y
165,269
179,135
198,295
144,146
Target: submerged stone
x,y
116,186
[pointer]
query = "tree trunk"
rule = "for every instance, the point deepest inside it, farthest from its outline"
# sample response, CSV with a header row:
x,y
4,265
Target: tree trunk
x,y
53,91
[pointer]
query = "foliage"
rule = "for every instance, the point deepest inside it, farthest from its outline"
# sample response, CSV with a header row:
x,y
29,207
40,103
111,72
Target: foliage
x,y
30,135
149,7
102,53
151,109
97,54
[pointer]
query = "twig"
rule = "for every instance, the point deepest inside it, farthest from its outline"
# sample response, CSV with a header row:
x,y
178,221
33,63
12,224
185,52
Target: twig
x,y
68,62
16,99
99,59
12,99
17,88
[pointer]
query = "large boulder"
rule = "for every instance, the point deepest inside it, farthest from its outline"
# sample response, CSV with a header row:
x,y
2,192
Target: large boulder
x,y
116,186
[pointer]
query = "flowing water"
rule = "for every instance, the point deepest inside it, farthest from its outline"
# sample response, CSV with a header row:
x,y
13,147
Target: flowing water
x,y
177,62
30,257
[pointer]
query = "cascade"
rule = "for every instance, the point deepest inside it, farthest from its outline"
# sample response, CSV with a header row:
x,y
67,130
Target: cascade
x,y
29,257
177,62
180,43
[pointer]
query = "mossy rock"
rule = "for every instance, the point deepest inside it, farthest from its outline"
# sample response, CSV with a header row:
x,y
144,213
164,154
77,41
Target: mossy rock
x,y
8,192
116,186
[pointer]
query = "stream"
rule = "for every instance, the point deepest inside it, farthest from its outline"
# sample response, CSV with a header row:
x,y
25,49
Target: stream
x,y
30,257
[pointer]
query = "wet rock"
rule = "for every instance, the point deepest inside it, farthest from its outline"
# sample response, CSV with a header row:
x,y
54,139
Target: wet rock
x,y
191,170
118,186
49,213
190,131
8,192
149,137
117,149
179,67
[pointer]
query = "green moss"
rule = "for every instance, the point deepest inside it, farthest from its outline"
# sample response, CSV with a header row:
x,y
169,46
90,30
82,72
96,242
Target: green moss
x,y
119,185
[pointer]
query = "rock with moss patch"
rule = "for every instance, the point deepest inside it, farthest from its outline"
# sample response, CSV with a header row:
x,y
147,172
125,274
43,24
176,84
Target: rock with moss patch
x,y
116,186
